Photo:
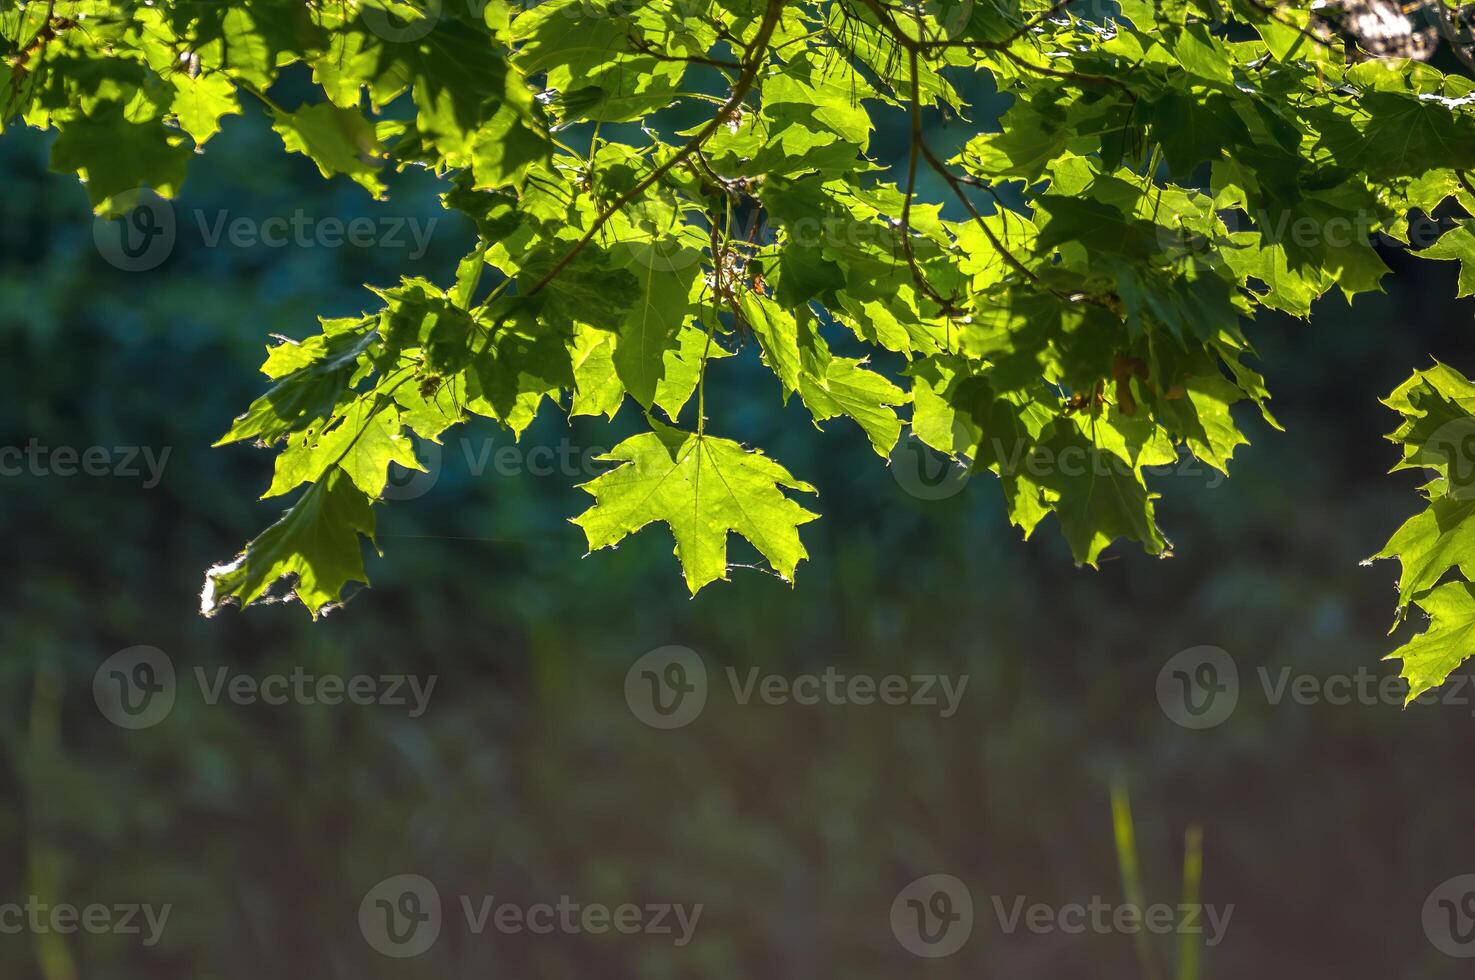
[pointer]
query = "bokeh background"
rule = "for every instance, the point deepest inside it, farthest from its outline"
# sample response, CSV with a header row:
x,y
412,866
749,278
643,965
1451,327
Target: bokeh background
x,y
529,778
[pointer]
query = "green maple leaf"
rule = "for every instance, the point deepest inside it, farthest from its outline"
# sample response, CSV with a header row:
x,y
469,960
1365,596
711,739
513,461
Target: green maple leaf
x,y
1097,496
312,379
1194,129
1431,543
1430,657
201,102
114,154
362,443
597,388
684,364
777,331
317,541
1397,134
338,140
649,329
1457,244
702,488
1203,418
1438,431
847,388
1072,255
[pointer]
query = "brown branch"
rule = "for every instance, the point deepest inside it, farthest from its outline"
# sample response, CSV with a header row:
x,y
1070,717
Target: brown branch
x,y
921,44
753,61
1073,76
1009,257
1007,42
988,232
644,47
915,45
948,304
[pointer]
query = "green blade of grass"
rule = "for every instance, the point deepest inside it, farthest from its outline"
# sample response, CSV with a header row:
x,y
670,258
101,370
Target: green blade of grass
x,y
1131,870
1193,870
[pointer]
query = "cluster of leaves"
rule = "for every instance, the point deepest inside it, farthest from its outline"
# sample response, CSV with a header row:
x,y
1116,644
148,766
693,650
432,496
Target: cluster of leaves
x,y
1438,434
1164,170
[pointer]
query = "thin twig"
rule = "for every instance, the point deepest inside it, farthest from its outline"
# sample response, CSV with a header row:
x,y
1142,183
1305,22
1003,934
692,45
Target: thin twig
x,y
753,61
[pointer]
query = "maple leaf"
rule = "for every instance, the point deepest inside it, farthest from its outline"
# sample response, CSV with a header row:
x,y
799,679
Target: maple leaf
x,y
702,488
316,543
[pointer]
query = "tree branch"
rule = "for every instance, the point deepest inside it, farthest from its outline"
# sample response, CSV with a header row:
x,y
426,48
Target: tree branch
x,y
753,61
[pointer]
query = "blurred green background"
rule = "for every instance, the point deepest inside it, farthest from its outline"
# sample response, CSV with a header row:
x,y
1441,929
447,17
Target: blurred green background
x,y
529,778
